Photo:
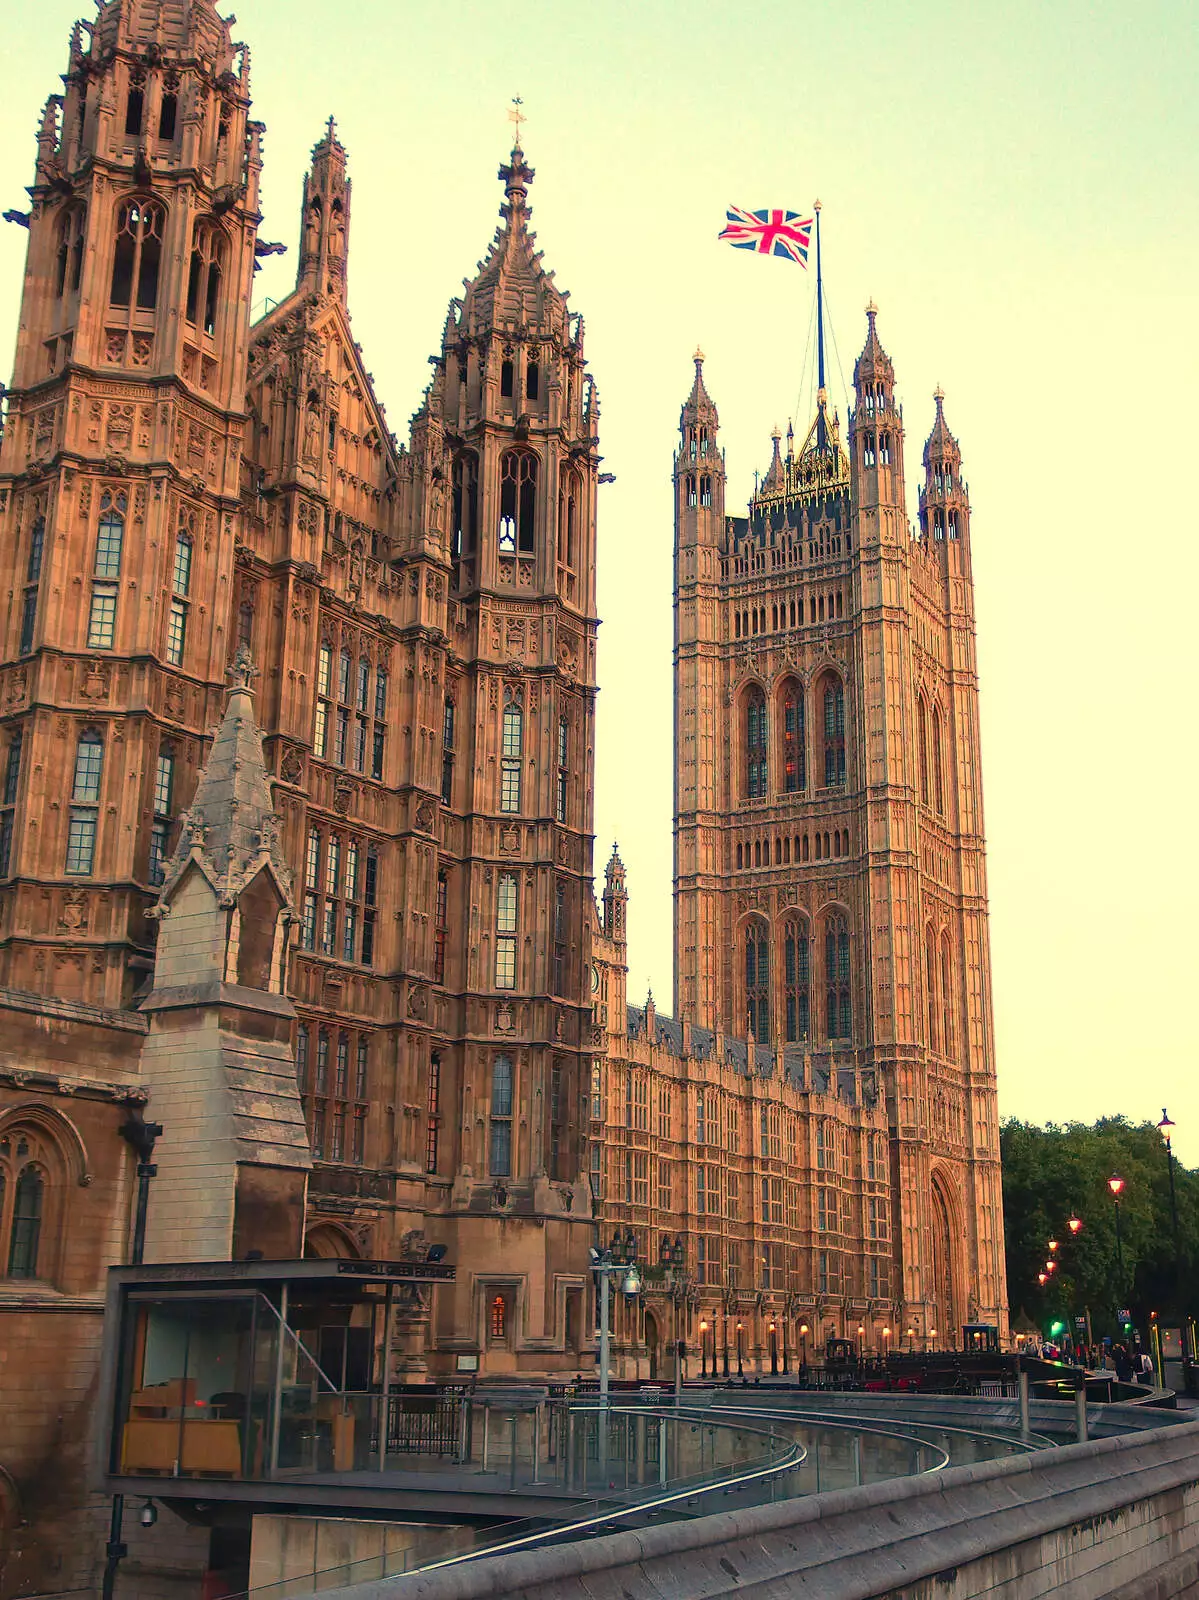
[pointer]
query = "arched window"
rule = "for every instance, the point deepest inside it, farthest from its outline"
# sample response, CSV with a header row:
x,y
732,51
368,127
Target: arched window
x,y
135,106
204,277
838,1006
755,745
465,533
85,803
110,541
922,747
497,1319
938,767
25,1167
930,988
532,380
795,776
705,490
138,255
518,503
834,732
70,250
949,1032
510,757
797,981
507,373
757,981
499,1163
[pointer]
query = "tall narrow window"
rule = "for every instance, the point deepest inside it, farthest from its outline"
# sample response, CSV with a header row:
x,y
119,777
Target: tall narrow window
x,y
168,112
160,828
922,747
505,931
563,767
85,803
441,927
181,577
797,981
949,1032
447,752
794,766
12,782
518,503
433,1111
507,375
757,981
834,733
465,534
755,745
70,250
930,988
28,1197
559,964
532,380
839,1014
500,1151
568,497
312,883
33,579
110,539
938,769
324,674
138,255
204,278
510,758
370,894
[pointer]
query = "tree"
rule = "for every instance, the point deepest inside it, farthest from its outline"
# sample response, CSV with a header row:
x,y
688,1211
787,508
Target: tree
x,y
1053,1173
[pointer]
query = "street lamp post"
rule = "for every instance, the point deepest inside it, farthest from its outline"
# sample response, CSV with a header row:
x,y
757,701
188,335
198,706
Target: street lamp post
x,y
671,1258
740,1358
620,1257
774,1351
703,1351
803,1345
1116,1185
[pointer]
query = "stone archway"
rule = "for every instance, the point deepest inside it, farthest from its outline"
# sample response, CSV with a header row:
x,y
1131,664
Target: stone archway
x,y
653,1345
944,1300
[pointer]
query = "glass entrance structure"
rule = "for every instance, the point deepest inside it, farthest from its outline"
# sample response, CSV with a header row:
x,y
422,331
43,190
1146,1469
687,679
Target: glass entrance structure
x,y
260,1371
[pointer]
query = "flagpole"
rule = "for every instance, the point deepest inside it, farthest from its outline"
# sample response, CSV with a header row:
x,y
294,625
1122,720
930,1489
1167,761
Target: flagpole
x,y
821,439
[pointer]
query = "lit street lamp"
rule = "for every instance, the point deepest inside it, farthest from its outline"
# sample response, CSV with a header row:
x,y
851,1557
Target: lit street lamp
x,y
1116,1185
620,1257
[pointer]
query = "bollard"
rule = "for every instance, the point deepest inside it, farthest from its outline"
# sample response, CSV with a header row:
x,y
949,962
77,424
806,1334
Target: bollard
x,y
1080,1411
1025,1425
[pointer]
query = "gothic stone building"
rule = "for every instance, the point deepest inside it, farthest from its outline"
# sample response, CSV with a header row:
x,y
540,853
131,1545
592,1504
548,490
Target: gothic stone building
x,y
819,1129
407,919
334,927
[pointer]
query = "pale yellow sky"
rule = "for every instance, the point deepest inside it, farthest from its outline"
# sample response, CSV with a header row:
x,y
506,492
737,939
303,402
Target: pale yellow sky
x,y
1015,186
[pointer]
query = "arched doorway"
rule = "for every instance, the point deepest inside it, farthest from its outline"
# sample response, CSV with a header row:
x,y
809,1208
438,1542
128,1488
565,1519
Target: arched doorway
x,y
327,1242
653,1344
945,1306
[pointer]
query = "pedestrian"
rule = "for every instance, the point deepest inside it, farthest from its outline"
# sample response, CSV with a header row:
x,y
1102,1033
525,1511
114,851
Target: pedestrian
x,y
1146,1374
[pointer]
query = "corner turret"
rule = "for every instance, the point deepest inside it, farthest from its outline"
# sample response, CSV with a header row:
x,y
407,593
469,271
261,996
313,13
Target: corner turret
x,y
944,499
325,233
876,441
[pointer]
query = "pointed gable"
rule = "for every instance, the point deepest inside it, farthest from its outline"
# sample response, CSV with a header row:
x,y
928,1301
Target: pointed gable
x,y
230,832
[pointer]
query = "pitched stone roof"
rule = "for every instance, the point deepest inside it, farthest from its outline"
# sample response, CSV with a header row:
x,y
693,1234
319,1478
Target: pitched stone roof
x,y
231,829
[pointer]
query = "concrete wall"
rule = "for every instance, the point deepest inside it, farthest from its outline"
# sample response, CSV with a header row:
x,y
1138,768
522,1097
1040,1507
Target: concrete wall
x,y
287,1551
1113,1516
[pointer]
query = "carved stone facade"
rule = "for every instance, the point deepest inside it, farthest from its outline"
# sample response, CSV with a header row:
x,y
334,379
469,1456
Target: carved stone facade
x,y
178,485
830,884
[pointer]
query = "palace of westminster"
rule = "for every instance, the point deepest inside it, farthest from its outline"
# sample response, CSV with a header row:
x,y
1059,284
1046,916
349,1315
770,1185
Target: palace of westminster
x,y
297,747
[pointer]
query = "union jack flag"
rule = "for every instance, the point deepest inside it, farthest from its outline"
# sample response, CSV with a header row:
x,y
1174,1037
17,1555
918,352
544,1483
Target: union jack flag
x,y
769,233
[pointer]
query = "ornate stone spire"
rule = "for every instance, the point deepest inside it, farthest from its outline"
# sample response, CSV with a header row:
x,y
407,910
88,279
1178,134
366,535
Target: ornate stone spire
x,y
874,364
941,444
325,226
775,481
231,829
699,405
512,289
